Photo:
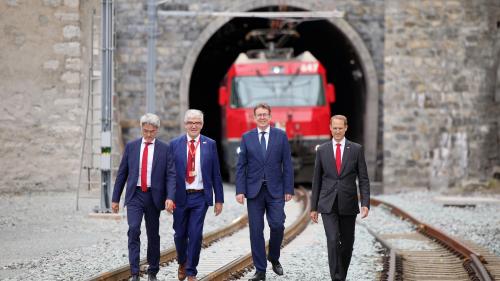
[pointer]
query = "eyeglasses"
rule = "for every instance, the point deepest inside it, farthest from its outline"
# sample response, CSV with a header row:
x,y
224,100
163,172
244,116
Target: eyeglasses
x,y
262,115
146,131
189,123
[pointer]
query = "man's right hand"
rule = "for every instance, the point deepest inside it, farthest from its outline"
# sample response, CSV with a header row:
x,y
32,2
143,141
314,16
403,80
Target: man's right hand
x,y
115,207
169,206
314,216
240,198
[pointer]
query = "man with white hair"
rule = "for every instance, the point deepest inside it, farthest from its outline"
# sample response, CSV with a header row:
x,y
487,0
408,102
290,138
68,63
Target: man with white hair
x,y
198,181
148,168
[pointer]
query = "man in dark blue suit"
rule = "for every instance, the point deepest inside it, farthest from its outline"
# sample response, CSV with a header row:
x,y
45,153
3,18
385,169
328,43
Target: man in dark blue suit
x,y
198,180
148,168
264,175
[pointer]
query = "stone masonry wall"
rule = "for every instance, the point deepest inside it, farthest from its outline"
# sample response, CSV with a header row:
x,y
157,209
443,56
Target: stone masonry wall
x,y
437,63
41,104
439,109
176,36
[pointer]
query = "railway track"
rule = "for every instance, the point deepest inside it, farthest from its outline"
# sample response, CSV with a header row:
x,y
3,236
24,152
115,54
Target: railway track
x,y
429,254
233,263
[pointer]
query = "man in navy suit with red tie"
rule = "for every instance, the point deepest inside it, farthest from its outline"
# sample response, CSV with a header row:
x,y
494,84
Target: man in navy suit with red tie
x,y
148,168
264,175
198,181
334,194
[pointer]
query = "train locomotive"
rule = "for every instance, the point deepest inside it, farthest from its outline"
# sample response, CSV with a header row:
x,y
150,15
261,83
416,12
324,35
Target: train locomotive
x,y
297,90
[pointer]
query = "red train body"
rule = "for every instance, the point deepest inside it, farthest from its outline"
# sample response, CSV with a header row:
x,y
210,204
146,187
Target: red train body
x,y
299,95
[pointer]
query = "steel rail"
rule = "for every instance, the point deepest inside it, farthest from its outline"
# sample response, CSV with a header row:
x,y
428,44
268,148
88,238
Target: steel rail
x,y
168,255
458,247
236,268
391,271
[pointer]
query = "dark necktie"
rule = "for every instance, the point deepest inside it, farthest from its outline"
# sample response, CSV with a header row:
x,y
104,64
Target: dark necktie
x,y
144,168
190,168
338,158
263,142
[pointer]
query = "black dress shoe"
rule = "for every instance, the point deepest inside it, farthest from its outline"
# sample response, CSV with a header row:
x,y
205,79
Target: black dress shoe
x,y
134,277
258,276
277,268
152,277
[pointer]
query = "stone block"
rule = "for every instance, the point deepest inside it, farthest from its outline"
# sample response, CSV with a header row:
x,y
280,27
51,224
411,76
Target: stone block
x,y
73,64
64,129
71,77
11,2
51,3
72,92
67,16
67,101
71,31
71,49
49,92
51,65
43,20
72,3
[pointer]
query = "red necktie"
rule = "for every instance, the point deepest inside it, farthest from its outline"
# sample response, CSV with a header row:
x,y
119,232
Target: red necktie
x,y
190,163
338,160
144,168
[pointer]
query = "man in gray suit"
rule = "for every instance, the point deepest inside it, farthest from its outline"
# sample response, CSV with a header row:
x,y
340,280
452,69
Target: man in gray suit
x,y
334,194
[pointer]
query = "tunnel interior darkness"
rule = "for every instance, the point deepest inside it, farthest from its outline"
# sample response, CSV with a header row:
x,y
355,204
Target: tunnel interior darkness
x,y
327,43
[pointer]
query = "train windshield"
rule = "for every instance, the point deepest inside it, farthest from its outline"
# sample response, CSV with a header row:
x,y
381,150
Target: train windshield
x,y
279,90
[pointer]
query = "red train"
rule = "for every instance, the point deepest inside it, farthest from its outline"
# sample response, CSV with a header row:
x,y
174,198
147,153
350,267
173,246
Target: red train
x,y
296,88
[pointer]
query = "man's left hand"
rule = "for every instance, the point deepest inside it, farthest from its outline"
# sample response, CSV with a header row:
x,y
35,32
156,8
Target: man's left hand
x,y
218,208
364,212
288,197
169,206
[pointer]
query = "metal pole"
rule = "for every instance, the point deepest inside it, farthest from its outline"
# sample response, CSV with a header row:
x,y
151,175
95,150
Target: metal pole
x,y
151,64
107,48
87,108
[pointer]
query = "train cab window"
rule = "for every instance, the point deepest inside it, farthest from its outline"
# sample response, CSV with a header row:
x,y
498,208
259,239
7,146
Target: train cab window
x,y
278,90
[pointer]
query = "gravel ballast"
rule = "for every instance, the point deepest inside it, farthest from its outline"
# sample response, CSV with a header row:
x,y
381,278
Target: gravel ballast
x,y
44,238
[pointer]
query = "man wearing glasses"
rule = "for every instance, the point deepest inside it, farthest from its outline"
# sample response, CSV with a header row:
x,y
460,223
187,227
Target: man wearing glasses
x,y
334,194
264,175
148,168
198,181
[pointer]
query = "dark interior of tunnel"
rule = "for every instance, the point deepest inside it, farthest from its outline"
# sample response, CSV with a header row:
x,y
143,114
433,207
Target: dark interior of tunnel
x,y
320,37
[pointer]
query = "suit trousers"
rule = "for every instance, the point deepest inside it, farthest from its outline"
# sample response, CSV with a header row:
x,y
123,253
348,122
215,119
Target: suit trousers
x,y
274,208
188,226
141,204
339,231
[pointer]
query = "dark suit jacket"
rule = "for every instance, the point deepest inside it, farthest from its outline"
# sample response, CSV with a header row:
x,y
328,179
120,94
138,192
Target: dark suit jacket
x,y
162,174
276,165
327,185
210,169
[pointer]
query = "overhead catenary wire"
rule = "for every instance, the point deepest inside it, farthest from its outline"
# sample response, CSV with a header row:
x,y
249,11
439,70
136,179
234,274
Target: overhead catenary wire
x,y
277,15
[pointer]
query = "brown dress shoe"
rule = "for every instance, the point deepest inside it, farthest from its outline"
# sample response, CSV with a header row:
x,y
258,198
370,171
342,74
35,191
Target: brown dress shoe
x,y
181,272
192,278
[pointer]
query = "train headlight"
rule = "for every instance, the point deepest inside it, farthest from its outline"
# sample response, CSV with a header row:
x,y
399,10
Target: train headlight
x,y
277,69
238,150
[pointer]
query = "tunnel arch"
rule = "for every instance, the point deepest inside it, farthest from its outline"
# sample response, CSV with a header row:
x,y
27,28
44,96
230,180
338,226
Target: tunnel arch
x,y
368,123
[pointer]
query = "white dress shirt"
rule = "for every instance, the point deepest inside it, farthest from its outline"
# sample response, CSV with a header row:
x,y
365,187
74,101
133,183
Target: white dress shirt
x,y
198,179
342,146
266,135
